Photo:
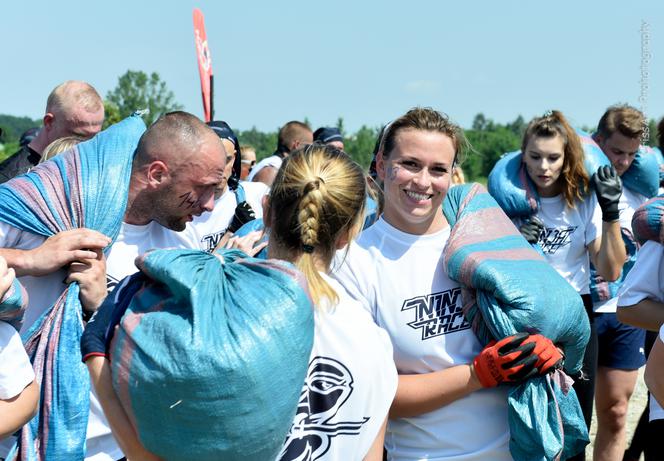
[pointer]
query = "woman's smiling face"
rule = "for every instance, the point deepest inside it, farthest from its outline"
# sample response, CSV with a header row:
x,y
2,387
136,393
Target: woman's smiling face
x,y
416,176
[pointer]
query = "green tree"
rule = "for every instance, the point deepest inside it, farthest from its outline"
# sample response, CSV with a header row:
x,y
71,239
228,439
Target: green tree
x,y
264,143
136,91
111,114
360,145
652,133
13,127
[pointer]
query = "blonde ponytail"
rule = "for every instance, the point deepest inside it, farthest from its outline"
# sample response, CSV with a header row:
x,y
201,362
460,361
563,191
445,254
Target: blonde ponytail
x,y
317,196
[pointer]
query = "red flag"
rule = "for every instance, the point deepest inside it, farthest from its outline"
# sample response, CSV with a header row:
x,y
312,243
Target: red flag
x,y
204,64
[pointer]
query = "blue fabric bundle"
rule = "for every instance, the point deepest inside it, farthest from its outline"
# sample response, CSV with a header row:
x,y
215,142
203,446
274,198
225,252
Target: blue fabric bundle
x,y
643,175
370,212
211,353
647,221
512,288
13,305
510,185
84,187
656,151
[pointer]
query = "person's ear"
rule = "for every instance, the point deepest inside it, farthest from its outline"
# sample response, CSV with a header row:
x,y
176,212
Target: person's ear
x,y
380,165
157,174
48,120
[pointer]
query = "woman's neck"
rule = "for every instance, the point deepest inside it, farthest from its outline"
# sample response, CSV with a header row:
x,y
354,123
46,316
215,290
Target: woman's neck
x,y
275,251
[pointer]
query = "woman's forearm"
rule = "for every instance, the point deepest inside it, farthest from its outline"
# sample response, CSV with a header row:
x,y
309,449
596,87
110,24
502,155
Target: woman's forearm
x,y
418,394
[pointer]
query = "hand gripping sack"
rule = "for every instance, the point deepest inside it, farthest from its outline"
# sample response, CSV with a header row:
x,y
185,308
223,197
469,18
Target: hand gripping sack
x,y
210,356
256,225
86,186
508,288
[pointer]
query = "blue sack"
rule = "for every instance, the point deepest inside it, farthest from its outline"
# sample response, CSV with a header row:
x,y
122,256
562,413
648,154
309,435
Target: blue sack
x,y
211,353
510,288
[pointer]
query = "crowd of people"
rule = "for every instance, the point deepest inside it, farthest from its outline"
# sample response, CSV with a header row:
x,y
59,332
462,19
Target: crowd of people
x,y
397,368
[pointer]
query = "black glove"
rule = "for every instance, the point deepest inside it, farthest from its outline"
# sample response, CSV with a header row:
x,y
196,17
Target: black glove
x,y
532,229
608,188
243,214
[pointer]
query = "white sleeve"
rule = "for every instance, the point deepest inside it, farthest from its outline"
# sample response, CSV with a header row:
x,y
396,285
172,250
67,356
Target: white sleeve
x,y
644,280
254,192
594,224
347,270
10,236
15,368
661,333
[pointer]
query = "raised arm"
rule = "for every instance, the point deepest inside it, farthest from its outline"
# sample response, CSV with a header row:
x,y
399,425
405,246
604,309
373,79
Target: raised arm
x,y
607,252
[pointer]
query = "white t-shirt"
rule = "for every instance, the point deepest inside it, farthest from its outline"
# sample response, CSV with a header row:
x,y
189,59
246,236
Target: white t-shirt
x,y
629,202
206,230
349,388
133,241
15,369
273,160
645,281
43,292
566,236
400,279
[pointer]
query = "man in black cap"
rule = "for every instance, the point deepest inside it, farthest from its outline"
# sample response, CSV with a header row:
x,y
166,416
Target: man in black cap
x,y
329,135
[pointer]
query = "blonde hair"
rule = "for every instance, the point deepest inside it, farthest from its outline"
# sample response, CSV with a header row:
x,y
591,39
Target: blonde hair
x,y
316,198
574,179
457,175
60,145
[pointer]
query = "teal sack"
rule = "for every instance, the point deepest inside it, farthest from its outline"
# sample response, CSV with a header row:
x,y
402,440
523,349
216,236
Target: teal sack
x,y
210,356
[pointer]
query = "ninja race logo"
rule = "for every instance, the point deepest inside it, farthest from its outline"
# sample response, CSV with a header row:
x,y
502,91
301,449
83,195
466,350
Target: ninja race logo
x,y
111,283
437,314
327,387
211,241
552,240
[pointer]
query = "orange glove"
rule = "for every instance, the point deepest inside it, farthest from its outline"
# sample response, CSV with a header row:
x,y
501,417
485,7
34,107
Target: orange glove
x,y
509,360
549,357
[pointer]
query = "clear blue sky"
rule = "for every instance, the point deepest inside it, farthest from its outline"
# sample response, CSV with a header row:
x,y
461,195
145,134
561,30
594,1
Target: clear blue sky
x,y
365,61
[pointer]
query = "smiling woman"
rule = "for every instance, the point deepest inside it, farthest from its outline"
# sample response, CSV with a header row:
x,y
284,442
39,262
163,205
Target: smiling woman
x,y
415,166
396,270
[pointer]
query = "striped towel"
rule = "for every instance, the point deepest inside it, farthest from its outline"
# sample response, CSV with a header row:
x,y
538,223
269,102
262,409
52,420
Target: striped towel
x,y
83,187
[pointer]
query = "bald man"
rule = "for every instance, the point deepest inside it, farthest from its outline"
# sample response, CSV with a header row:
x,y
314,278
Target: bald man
x,y
179,163
292,135
73,108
